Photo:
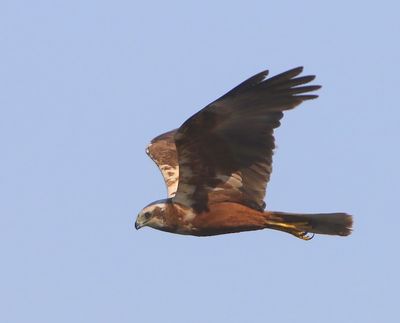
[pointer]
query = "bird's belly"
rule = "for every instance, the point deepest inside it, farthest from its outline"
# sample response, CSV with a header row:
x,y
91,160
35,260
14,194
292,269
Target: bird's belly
x,y
225,218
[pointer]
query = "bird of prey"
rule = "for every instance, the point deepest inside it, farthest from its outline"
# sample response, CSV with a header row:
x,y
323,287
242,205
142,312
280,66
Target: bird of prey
x,y
217,164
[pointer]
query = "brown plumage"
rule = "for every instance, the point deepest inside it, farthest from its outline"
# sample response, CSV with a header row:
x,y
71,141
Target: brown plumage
x,y
216,166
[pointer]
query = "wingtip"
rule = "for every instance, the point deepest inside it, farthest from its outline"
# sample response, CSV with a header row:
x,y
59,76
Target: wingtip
x,y
298,68
311,77
307,97
314,87
295,71
259,77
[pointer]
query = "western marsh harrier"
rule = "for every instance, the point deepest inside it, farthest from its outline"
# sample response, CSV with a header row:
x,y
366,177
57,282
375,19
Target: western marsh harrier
x,y
216,166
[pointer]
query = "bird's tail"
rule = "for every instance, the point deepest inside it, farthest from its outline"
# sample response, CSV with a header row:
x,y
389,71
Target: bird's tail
x,y
301,225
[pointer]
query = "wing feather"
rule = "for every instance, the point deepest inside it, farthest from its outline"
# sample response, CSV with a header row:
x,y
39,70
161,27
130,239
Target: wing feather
x,y
162,151
225,150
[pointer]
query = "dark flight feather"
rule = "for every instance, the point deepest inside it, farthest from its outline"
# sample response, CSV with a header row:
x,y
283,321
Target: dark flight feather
x,y
225,150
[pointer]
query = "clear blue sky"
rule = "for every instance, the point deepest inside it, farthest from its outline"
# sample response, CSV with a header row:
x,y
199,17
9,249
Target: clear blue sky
x,y
84,85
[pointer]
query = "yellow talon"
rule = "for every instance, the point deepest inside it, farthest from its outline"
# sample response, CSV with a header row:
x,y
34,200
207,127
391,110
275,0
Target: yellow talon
x,y
303,235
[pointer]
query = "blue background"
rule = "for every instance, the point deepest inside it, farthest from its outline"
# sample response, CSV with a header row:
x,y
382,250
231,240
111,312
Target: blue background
x,y
84,85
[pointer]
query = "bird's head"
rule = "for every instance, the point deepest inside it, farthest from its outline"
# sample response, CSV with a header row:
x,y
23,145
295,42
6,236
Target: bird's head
x,y
153,215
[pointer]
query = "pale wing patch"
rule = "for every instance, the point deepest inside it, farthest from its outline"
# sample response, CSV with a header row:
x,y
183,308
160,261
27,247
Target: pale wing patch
x,y
171,177
159,153
231,185
234,181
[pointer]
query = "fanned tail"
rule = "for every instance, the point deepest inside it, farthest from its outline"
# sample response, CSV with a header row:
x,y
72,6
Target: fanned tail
x,y
339,224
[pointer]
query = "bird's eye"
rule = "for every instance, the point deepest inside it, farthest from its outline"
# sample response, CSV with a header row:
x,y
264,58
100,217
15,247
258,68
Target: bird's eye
x,y
147,215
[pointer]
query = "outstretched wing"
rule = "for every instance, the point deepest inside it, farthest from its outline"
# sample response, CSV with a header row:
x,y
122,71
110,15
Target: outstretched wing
x,y
162,151
225,150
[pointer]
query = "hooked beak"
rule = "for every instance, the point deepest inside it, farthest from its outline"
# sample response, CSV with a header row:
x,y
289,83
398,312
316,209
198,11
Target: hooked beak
x,y
137,225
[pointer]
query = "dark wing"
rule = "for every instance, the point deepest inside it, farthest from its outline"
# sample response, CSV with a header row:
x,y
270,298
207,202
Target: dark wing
x,y
225,150
162,151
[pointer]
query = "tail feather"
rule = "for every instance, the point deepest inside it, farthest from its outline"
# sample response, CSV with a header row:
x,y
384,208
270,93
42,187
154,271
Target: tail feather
x,y
322,223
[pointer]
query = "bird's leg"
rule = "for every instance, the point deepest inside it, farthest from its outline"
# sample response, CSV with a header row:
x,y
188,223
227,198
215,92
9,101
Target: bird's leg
x,y
303,235
293,229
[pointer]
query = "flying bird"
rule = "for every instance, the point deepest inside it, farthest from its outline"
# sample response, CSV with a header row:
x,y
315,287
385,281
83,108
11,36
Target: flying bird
x,y
217,164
